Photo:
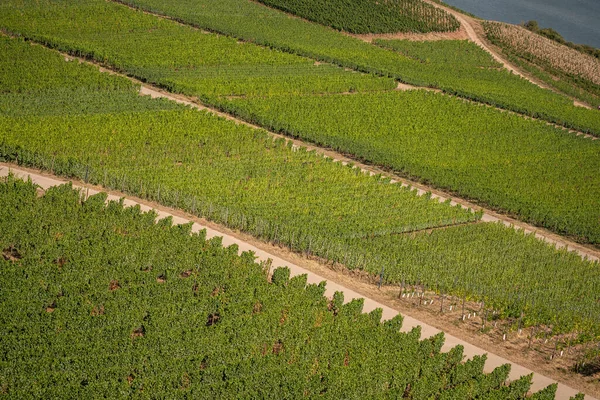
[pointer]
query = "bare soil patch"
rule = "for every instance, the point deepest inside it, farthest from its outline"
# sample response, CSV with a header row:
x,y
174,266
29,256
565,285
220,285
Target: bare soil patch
x,y
50,309
186,274
114,285
138,332
459,34
11,254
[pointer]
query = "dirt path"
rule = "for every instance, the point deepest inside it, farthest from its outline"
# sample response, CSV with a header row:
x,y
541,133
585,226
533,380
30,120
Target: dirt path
x,y
263,254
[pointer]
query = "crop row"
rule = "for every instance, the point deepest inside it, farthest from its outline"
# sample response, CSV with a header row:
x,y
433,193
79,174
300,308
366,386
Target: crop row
x,y
370,16
240,177
99,300
177,57
276,29
503,183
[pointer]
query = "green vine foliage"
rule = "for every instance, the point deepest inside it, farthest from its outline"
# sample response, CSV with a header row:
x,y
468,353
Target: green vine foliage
x,y
242,178
98,300
370,16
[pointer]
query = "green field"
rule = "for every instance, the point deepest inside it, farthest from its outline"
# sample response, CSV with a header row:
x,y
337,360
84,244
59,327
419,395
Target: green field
x,y
176,57
505,178
100,301
242,178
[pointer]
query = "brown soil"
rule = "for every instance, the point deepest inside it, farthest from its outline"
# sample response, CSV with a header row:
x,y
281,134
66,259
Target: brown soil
x,y
277,347
114,285
60,262
138,332
97,310
213,319
50,309
186,274
161,279
11,254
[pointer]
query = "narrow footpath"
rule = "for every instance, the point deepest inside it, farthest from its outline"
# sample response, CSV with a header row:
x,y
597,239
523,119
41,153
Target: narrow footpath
x,y
493,361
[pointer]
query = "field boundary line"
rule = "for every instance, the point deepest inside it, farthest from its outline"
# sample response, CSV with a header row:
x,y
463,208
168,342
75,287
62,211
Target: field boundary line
x,y
539,381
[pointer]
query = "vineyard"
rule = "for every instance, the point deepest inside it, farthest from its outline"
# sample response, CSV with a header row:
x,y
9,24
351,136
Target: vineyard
x,y
549,179
242,178
99,300
536,47
277,30
370,16
245,66
176,57
558,65
456,55
169,313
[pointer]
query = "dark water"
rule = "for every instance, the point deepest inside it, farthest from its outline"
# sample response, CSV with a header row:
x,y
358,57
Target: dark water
x,y
577,21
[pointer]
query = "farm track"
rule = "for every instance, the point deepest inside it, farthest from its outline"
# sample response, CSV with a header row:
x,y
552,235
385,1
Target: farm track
x,y
584,251
265,252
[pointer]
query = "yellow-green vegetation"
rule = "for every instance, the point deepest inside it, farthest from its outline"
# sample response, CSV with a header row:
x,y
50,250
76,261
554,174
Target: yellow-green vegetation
x,y
523,167
250,21
242,178
560,66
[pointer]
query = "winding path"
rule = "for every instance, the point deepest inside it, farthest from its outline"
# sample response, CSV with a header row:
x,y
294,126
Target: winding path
x,y
468,22
493,361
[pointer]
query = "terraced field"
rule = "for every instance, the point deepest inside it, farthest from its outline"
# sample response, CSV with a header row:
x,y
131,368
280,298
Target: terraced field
x,y
276,29
68,118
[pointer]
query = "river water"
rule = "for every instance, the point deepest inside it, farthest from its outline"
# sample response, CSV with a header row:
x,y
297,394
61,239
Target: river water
x,y
577,21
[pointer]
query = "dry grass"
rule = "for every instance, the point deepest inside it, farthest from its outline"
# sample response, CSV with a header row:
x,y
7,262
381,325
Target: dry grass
x,y
560,57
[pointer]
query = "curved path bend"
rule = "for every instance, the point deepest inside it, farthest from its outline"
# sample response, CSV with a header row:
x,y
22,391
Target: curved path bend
x,y
493,361
467,23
